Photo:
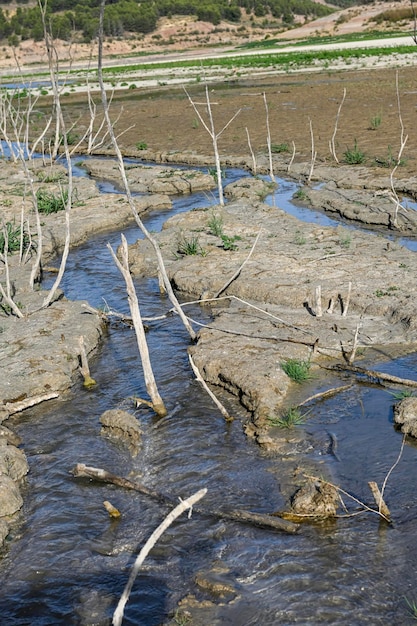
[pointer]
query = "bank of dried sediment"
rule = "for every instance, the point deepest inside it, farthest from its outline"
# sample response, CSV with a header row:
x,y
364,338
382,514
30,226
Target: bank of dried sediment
x,y
270,312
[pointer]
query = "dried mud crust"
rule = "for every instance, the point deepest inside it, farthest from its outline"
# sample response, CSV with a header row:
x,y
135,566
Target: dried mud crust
x,y
302,111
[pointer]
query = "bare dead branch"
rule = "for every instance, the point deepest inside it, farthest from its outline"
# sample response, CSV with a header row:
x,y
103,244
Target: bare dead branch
x,y
238,271
122,170
169,519
268,139
373,374
210,128
217,402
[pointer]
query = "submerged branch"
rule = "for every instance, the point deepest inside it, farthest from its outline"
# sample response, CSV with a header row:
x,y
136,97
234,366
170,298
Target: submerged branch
x,y
245,517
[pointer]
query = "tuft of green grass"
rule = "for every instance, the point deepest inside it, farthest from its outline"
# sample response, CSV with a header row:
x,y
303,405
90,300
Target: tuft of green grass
x,y
141,145
299,238
400,395
229,243
278,148
293,417
375,122
215,225
297,369
189,246
345,241
354,156
412,607
300,194
390,160
49,202
13,235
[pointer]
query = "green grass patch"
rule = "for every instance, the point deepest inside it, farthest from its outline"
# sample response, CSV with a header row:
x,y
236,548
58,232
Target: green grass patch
x,y
354,156
12,234
293,417
49,202
189,246
296,369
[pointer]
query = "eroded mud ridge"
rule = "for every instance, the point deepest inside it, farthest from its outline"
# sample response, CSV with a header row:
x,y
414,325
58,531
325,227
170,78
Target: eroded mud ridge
x,y
287,290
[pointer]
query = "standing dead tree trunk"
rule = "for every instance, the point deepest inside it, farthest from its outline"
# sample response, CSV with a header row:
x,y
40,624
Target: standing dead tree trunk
x,y
129,197
332,145
123,266
210,128
7,295
268,139
403,141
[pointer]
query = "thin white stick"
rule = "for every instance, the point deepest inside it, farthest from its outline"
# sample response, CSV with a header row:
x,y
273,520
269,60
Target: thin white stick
x,y
217,402
313,153
292,157
403,141
355,344
171,517
251,152
236,274
319,310
332,141
268,140
384,484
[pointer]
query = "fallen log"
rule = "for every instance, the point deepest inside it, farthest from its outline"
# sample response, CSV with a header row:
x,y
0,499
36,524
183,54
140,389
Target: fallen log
x,y
244,517
378,376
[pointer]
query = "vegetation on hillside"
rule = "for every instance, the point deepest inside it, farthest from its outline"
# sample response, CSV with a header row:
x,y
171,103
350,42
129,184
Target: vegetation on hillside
x,y
141,17
67,16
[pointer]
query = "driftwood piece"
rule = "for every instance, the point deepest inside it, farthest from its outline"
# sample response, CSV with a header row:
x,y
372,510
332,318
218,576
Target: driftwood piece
x,y
323,395
245,517
381,376
380,502
17,407
84,366
150,382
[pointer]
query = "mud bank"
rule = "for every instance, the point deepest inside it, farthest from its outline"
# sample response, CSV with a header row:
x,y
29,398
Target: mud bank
x,y
282,289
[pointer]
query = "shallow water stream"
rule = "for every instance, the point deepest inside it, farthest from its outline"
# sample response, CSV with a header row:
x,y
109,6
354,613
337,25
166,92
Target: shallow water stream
x,y
67,563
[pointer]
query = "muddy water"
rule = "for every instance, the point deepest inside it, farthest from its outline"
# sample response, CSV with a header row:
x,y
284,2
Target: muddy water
x,y
68,562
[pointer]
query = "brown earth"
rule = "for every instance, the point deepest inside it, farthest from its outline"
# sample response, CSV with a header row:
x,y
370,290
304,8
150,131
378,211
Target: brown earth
x,y
302,112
